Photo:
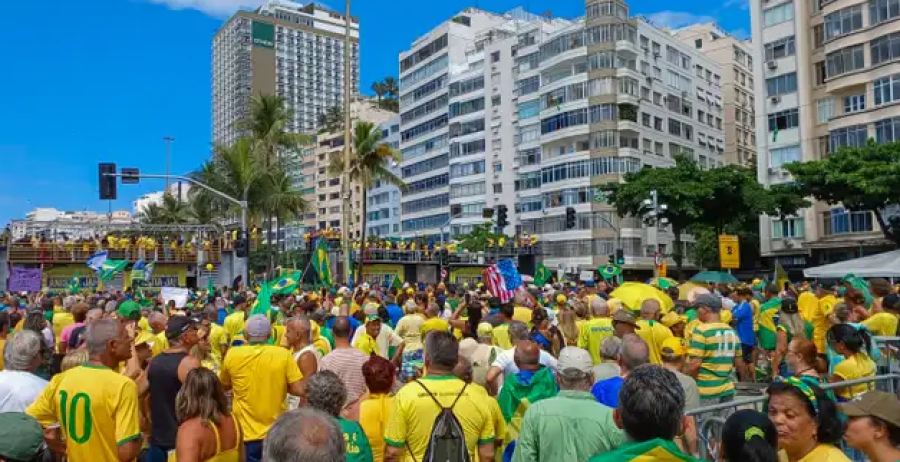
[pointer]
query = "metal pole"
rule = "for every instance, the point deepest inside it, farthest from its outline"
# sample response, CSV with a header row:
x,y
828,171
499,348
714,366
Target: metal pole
x,y
346,182
168,140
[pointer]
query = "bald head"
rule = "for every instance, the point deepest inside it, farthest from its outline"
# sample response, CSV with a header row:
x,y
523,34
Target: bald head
x,y
341,327
650,309
633,352
528,356
432,310
599,307
301,325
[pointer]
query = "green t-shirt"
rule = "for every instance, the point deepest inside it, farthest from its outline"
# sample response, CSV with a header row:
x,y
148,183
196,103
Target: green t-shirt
x,y
326,332
358,448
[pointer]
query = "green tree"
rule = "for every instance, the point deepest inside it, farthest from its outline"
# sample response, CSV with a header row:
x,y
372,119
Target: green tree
x,y
390,87
331,121
480,238
861,179
370,161
379,89
170,211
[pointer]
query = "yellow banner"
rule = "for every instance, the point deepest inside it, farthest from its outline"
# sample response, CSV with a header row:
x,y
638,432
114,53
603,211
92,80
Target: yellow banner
x,y
58,277
381,274
466,275
729,251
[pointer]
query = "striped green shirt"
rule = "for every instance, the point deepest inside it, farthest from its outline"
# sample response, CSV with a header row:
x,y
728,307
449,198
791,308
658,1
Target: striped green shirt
x,y
716,344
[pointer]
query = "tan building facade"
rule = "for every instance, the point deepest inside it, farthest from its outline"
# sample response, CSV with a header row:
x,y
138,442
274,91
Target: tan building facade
x,y
735,59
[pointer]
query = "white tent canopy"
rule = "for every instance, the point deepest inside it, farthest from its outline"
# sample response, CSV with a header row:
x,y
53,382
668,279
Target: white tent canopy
x,y
883,265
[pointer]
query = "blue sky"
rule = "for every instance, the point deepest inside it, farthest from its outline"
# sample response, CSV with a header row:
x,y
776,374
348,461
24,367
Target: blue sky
x,y
106,80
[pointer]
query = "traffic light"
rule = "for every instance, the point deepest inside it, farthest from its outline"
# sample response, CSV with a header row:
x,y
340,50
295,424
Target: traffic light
x,y
107,183
620,257
445,257
570,217
502,221
242,246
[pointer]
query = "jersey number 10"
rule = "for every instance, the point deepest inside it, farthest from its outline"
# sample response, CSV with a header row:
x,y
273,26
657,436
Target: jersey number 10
x,y
68,410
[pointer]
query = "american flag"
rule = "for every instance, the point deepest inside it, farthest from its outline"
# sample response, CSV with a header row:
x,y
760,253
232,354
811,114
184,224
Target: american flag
x,y
496,284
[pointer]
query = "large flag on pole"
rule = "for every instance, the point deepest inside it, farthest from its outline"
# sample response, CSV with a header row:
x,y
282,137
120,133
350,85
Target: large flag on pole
x,y
138,271
111,268
320,263
496,284
541,275
286,284
96,261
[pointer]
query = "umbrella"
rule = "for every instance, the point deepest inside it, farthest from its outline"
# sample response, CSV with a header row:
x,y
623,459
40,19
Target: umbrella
x,y
662,283
718,277
686,288
632,294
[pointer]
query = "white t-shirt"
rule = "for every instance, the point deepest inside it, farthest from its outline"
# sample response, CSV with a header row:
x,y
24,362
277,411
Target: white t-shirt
x,y
507,364
18,389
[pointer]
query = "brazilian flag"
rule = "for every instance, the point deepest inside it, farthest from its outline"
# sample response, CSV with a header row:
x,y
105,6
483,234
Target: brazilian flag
x,y
541,275
286,284
657,450
320,263
768,325
518,393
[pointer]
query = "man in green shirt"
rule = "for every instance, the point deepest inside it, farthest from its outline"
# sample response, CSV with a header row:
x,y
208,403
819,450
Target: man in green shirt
x,y
571,425
651,411
327,393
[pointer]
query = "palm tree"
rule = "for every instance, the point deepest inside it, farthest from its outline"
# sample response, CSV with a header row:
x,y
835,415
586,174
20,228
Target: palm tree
x,y
169,211
370,160
390,87
151,214
380,89
201,211
332,120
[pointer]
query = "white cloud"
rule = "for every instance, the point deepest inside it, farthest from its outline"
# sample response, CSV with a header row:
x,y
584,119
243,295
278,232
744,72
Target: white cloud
x,y
740,4
740,33
677,19
217,8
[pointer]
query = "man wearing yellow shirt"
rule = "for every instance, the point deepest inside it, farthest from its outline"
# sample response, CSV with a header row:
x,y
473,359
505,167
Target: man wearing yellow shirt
x,y
433,321
501,333
234,323
217,342
653,332
595,330
820,320
62,319
96,407
260,376
365,341
520,312
884,324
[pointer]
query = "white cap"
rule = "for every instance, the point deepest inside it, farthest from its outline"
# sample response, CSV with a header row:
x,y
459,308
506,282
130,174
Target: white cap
x,y
575,358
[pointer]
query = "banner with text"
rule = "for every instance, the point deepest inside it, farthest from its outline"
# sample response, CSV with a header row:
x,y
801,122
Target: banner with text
x,y
22,279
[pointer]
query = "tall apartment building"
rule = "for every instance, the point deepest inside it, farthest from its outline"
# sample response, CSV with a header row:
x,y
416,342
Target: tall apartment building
x,y
735,59
827,76
281,48
326,187
581,105
383,209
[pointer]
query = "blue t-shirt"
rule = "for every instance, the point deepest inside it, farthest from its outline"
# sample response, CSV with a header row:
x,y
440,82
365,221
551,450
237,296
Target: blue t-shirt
x,y
394,313
607,391
743,319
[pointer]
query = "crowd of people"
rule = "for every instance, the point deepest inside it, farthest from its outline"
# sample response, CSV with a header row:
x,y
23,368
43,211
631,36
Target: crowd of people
x,y
427,372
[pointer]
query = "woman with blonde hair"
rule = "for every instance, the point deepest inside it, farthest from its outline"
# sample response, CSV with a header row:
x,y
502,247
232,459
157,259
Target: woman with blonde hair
x,y
203,351
207,431
568,327
73,358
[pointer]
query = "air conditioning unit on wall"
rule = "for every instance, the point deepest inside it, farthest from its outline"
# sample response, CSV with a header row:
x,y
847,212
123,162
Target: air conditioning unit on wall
x,y
772,65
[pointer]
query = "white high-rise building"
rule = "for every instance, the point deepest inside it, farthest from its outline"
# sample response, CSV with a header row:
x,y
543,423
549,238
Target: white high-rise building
x,y
827,76
178,190
536,113
383,210
282,48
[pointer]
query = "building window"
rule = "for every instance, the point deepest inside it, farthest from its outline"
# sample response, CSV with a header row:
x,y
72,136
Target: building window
x,y
780,48
529,109
854,103
789,228
887,130
845,60
781,84
887,89
824,110
818,35
819,68
784,155
784,120
498,188
495,56
885,48
843,22
778,14
843,221
883,10
854,136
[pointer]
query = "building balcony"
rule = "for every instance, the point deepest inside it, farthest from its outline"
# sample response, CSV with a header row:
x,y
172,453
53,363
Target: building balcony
x,y
79,252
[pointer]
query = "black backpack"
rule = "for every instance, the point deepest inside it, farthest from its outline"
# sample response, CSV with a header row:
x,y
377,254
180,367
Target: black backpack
x,y
447,442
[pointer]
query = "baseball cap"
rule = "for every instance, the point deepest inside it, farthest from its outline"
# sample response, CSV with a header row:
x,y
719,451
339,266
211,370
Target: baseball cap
x,y
575,358
673,347
671,318
144,337
624,316
238,299
485,329
258,325
178,325
21,436
882,405
710,301
129,309
467,347
560,298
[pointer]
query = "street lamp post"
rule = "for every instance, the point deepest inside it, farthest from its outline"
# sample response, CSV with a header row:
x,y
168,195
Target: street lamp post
x,y
169,140
654,218
345,184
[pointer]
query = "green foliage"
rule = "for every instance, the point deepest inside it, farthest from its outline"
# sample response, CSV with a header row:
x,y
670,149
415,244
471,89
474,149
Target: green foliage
x,y
861,179
386,92
705,251
480,238
628,112
332,120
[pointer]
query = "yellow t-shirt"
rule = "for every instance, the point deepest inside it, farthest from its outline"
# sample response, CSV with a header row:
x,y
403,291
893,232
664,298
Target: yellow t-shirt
x,y
653,333
496,415
60,322
754,305
858,366
217,341
820,322
144,324
365,343
2,344
97,410
825,453
410,328
500,336
414,414
593,333
808,305
234,328
374,413
882,324
520,313
259,375
436,324
160,344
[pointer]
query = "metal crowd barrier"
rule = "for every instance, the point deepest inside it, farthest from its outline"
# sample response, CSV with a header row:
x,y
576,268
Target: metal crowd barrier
x,y
710,419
